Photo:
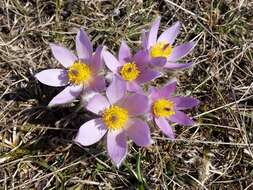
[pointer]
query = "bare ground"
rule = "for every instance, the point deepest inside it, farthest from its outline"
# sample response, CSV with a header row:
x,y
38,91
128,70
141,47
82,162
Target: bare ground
x,y
36,150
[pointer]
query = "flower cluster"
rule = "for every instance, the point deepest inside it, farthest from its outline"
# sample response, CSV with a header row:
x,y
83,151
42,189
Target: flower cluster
x,y
124,109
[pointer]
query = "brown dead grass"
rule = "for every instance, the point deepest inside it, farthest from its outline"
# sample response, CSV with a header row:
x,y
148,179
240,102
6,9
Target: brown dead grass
x,y
36,150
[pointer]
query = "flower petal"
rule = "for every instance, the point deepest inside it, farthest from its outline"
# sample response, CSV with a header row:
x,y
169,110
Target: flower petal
x,y
69,94
86,95
170,65
181,118
181,51
53,77
124,53
182,103
136,104
170,34
117,90
90,132
63,55
153,32
141,58
97,62
97,104
83,45
98,84
111,62
158,61
163,124
164,92
147,75
133,87
144,39
139,132
117,146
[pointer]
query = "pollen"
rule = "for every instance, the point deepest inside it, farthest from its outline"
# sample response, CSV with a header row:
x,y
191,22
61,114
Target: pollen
x,y
161,49
129,71
115,117
163,108
79,73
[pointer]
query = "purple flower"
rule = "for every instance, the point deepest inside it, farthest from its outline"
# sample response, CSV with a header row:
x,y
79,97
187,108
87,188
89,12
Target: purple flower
x,y
161,49
80,73
118,118
132,69
164,107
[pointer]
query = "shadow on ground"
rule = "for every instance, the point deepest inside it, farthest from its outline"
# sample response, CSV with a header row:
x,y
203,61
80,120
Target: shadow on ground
x,y
50,131
60,123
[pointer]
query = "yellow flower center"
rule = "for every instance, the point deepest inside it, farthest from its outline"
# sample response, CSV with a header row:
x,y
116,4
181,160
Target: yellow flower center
x,y
161,49
79,73
115,117
163,108
129,71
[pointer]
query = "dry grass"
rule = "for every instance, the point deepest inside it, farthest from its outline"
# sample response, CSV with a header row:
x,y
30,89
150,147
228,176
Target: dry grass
x,y
36,150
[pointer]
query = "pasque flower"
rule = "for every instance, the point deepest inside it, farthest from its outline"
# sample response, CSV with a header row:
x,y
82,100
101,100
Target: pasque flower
x,y
161,50
119,118
164,107
81,73
133,69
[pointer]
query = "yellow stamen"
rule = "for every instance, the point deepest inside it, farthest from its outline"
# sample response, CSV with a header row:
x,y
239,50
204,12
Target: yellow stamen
x,y
129,71
79,73
163,108
161,49
115,117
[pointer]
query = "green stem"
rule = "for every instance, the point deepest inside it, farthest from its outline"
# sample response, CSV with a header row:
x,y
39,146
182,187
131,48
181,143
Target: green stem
x,y
139,167
142,182
58,10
